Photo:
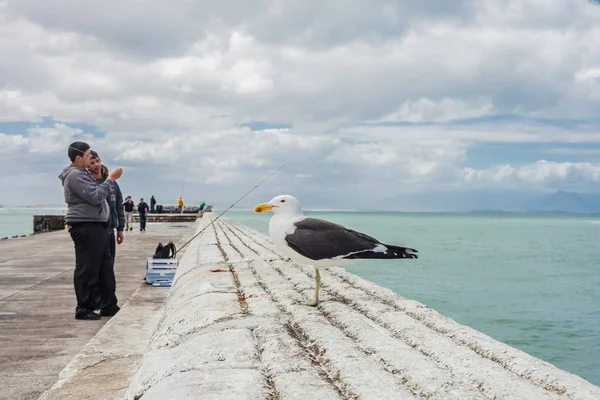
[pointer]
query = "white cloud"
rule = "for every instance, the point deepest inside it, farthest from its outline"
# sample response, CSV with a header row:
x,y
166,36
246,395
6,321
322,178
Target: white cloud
x,y
47,140
476,133
447,109
371,90
536,175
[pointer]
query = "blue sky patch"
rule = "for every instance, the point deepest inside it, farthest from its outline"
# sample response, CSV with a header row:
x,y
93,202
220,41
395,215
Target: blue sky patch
x,y
261,125
21,127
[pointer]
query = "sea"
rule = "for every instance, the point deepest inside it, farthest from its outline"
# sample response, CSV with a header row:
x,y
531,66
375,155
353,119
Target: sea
x,y
529,280
19,220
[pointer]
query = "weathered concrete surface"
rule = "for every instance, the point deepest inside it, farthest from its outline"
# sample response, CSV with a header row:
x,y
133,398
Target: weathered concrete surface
x,y
37,284
104,367
234,326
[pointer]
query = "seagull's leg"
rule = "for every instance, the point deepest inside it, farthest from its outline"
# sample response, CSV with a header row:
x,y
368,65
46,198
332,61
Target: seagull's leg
x,y
317,284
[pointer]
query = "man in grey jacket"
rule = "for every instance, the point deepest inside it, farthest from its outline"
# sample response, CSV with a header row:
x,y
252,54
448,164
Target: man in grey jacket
x,y
87,217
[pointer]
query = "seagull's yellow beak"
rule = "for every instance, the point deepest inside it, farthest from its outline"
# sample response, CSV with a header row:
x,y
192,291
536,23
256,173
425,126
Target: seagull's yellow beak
x,y
263,207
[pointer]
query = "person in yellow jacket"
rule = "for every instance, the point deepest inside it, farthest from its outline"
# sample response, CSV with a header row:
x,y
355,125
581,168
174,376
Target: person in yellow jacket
x,y
180,203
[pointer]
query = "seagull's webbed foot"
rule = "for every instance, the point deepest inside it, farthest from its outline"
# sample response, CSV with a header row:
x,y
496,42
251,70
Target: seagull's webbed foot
x,y
312,303
315,302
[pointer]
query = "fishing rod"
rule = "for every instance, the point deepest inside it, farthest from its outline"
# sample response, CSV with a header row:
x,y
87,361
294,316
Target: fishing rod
x,y
229,208
220,215
76,149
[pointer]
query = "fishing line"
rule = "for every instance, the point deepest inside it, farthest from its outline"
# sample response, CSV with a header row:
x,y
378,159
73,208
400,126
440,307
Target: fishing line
x,y
81,151
220,215
229,208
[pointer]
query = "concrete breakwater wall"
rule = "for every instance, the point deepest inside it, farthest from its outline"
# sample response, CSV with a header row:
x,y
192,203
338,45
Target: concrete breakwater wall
x,y
235,326
167,217
166,209
56,222
48,223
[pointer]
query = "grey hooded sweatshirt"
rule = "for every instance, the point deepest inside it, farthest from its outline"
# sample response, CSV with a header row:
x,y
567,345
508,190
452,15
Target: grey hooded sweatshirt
x,y
85,198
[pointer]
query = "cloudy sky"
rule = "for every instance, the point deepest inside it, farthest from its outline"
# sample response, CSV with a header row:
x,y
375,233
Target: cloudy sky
x,y
363,101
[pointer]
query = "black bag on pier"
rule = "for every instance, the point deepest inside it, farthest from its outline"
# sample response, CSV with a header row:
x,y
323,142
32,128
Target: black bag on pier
x,y
167,251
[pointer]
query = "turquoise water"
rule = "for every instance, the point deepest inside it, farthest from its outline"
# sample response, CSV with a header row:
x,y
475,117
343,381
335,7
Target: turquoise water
x,y
19,221
531,281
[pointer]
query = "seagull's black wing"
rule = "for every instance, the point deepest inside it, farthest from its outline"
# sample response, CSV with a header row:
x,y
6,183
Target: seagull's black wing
x,y
319,239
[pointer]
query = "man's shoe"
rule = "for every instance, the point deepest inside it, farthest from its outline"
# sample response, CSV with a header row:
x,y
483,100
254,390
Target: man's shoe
x,y
89,316
110,312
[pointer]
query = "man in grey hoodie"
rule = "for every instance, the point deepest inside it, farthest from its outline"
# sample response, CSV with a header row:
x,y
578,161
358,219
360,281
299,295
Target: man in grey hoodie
x,y
87,217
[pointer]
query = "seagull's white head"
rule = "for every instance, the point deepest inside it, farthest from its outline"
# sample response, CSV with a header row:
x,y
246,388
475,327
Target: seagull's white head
x,y
281,205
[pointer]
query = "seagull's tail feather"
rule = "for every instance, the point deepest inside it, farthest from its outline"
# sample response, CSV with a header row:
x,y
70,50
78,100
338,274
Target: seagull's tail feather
x,y
392,252
402,252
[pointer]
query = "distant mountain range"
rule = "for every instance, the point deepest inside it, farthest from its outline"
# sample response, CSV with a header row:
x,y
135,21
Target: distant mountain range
x,y
35,206
569,202
560,201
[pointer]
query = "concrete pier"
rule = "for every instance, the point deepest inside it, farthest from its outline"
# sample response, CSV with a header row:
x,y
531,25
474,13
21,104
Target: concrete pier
x,y
234,327
39,335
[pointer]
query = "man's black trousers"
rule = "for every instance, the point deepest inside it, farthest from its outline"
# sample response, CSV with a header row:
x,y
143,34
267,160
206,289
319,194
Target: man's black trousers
x,y
96,290
93,266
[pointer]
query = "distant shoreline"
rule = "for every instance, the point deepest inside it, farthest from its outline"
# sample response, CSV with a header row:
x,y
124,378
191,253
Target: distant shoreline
x,y
483,212
34,207
333,210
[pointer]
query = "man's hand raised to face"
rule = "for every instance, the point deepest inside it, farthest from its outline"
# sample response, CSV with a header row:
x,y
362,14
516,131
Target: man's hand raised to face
x,y
115,174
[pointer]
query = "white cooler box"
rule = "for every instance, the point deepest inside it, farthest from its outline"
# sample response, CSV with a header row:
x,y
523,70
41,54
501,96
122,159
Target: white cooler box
x,y
161,271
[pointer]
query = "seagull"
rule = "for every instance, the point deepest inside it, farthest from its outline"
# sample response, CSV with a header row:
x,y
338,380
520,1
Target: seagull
x,y
321,243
